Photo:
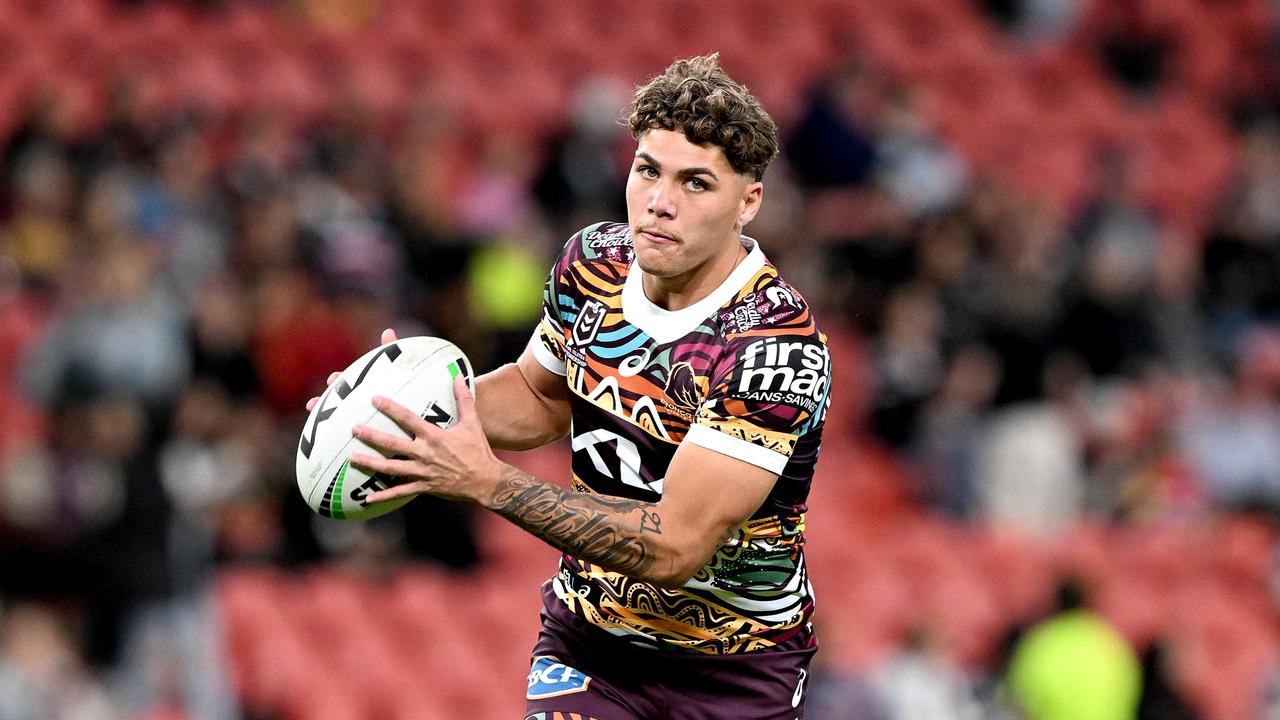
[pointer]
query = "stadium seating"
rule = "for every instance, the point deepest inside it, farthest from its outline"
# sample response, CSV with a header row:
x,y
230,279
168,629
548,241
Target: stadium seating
x,y
1036,115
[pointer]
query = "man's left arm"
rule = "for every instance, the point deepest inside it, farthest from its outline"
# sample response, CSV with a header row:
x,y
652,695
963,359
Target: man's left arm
x,y
706,497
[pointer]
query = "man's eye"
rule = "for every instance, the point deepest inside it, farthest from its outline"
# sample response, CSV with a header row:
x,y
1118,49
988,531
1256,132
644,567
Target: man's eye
x,y
696,184
647,171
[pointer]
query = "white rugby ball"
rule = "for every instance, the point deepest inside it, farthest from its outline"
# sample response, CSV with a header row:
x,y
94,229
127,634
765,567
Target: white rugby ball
x,y
416,372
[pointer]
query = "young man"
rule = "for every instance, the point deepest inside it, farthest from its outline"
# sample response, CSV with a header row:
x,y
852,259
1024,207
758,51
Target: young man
x,y
693,383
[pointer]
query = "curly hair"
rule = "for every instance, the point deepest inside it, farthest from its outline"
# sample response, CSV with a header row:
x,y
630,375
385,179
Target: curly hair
x,y
696,97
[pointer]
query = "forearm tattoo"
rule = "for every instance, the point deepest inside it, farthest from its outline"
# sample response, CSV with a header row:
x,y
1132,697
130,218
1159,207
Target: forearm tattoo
x,y
607,531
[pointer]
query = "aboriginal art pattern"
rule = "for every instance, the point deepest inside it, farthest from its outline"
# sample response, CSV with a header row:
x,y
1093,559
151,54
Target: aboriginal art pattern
x,y
748,377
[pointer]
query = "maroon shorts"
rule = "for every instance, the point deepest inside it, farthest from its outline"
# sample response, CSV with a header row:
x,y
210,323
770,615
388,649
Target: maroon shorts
x,y
579,672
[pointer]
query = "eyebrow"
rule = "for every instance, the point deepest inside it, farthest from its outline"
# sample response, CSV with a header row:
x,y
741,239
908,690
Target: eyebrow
x,y
685,173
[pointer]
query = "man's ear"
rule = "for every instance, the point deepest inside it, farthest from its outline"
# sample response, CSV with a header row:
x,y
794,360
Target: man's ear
x,y
752,195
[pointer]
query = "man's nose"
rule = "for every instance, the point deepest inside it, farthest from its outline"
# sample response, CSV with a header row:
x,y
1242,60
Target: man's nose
x,y
661,202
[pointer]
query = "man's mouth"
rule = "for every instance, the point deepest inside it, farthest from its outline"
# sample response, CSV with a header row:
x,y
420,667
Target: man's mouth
x,y
657,236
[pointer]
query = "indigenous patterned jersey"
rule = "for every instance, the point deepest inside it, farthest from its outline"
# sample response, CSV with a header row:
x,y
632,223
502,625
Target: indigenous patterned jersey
x,y
744,372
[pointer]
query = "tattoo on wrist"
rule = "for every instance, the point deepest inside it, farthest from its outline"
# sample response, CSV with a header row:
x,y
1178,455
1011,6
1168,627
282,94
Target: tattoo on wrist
x,y
595,528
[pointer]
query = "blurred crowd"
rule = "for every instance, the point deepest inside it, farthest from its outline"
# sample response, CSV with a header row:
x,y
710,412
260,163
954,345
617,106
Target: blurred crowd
x,y
174,287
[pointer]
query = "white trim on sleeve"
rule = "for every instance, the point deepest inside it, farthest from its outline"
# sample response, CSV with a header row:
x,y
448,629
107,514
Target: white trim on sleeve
x,y
545,357
712,439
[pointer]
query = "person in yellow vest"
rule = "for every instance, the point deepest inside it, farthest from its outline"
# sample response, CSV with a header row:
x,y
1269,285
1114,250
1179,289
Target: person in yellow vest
x,y
1074,666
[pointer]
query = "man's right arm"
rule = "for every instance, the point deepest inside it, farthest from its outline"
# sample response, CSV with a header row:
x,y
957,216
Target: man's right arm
x,y
522,405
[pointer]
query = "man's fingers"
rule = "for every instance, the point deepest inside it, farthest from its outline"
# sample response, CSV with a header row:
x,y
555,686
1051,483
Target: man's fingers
x,y
386,443
396,491
466,400
374,464
404,417
388,335
311,404
333,378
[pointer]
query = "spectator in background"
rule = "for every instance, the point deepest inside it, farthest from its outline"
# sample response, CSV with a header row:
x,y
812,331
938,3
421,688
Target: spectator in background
x,y
1136,47
869,259
290,364
1025,270
90,503
180,210
908,360
833,145
918,682
219,338
42,672
427,170
120,331
45,129
581,178
916,168
1074,666
953,425
494,197
838,694
1108,322
1108,318
1229,433
948,259
1240,263
344,211
211,460
1161,699
38,236
1030,469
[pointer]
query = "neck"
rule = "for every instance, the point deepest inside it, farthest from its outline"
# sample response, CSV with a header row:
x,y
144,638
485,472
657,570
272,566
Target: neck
x,y
681,291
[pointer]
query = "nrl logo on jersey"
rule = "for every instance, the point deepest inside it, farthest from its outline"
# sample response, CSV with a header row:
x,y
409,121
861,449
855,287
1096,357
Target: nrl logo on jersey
x,y
777,370
590,318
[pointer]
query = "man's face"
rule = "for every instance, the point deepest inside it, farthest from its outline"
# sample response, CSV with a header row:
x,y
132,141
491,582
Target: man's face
x,y
686,205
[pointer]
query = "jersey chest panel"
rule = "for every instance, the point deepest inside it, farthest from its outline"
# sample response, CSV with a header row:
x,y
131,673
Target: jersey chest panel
x,y
633,400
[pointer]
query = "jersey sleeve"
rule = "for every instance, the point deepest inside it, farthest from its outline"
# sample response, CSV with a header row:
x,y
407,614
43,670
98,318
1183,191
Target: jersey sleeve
x,y
559,308
765,393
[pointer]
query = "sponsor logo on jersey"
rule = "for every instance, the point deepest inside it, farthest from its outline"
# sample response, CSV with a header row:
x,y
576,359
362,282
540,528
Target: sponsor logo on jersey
x,y
615,237
744,316
635,362
799,693
551,678
682,390
780,297
778,370
590,318
627,454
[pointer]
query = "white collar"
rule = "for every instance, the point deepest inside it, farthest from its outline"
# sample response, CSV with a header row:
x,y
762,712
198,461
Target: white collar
x,y
664,325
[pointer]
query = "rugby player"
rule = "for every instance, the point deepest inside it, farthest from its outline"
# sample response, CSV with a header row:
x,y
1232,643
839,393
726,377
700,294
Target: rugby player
x,y
693,383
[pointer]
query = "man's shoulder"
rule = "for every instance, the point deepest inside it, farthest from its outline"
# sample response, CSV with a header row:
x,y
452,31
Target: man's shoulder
x,y
768,305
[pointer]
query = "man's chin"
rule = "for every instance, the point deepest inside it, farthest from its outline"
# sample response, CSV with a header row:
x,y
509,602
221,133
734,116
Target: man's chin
x,y
651,264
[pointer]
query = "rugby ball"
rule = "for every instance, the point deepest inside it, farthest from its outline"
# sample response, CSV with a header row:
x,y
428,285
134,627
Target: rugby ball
x,y
416,372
